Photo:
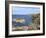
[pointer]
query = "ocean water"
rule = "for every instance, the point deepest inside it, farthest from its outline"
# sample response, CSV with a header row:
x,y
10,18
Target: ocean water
x,y
28,19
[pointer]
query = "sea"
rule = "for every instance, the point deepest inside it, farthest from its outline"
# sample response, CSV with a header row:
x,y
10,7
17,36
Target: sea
x,y
28,19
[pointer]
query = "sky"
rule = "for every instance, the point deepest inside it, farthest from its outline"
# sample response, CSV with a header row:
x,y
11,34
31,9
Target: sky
x,y
25,10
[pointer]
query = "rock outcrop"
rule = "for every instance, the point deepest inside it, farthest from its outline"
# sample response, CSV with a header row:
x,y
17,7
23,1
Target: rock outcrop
x,y
36,21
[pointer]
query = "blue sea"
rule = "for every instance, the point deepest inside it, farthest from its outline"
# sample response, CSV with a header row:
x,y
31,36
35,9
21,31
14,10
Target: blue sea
x,y
28,19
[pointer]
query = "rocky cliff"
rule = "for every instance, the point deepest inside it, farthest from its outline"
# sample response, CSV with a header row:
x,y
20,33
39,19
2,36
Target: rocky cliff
x,y
36,21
